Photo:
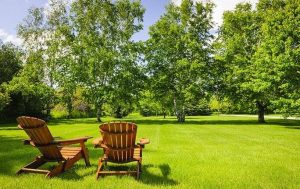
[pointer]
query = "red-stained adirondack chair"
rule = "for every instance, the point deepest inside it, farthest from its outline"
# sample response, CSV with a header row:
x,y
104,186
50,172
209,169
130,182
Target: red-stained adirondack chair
x,y
118,143
51,150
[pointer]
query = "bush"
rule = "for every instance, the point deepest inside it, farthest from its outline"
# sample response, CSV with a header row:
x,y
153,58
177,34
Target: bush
x,y
147,111
27,98
80,110
4,99
202,108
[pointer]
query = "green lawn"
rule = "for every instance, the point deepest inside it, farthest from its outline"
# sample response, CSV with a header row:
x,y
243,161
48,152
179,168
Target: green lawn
x,y
204,152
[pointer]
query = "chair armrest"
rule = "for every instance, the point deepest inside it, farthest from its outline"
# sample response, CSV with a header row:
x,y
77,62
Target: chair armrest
x,y
28,142
97,142
143,142
72,141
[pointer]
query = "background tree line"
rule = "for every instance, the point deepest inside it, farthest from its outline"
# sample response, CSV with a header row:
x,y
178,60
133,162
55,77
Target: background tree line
x,y
79,58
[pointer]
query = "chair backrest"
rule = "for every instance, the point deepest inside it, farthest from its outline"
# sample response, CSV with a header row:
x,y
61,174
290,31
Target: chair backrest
x,y
40,135
119,137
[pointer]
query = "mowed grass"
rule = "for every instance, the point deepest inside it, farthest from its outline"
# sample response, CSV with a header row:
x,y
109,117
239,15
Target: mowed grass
x,y
204,152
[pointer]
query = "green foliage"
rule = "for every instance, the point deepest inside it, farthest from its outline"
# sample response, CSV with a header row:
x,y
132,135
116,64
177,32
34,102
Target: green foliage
x,y
277,56
219,105
82,52
27,98
178,54
148,106
236,46
21,92
259,51
87,44
4,98
199,108
74,107
238,37
108,57
10,63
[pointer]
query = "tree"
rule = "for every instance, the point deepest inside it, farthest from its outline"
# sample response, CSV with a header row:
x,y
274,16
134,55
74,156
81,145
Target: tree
x,y
86,44
107,56
61,57
277,56
237,41
10,65
39,70
178,54
260,54
27,97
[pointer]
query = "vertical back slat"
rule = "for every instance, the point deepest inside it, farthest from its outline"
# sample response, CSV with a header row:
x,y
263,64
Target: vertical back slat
x,y
120,136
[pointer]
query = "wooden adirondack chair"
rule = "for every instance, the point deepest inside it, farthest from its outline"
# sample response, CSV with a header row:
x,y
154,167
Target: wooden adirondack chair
x,y
52,150
118,143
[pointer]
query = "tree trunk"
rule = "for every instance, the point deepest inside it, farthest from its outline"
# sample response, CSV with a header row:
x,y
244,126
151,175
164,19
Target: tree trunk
x,y
181,115
99,113
261,112
69,106
48,112
118,113
164,112
180,112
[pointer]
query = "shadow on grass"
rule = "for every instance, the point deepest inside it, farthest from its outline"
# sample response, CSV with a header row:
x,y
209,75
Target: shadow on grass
x,y
8,128
289,124
275,122
293,127
57,122
13,154
156,179
169,121
54,122
71,174
147,176
158,122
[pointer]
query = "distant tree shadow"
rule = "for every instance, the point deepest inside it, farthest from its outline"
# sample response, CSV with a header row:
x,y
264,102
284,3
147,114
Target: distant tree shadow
x,y
293,127
288,123
292,124
8,128
73,122
295,124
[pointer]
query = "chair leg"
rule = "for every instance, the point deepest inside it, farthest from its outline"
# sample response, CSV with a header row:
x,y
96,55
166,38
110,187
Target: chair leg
x,y
100,164
71,162
85,154
138,170
33,165
140,165
57,170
